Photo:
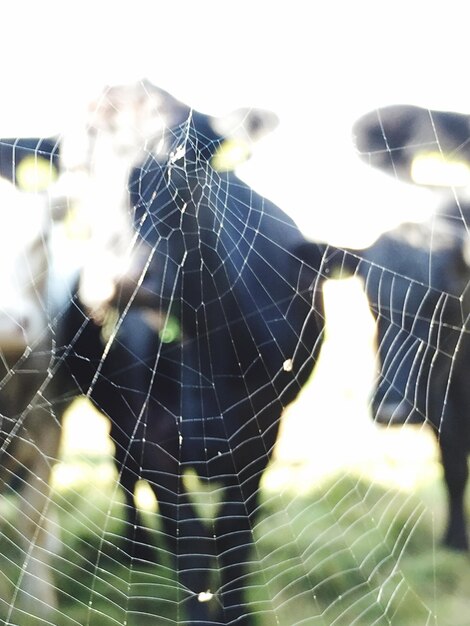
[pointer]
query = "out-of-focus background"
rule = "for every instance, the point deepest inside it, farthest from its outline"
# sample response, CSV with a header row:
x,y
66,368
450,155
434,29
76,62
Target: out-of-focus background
x,y
319,66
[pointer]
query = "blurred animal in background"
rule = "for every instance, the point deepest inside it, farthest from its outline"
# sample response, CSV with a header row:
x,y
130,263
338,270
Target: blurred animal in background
x,y
29,430
416,279
205,254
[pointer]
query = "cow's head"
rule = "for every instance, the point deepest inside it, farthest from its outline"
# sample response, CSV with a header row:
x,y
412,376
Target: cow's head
x,y
125,125
416,145
128,122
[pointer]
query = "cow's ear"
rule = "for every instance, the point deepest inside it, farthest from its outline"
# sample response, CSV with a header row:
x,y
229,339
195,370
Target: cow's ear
x,y
239,130
247,123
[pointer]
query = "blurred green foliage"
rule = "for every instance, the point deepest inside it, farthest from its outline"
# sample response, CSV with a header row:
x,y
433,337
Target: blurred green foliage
x,y
346,553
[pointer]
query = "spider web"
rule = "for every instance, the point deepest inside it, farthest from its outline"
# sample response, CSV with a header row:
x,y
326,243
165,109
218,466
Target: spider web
x,y
336,537
351,513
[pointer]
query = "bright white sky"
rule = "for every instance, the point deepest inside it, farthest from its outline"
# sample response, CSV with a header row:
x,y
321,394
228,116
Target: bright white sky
x,y
318,65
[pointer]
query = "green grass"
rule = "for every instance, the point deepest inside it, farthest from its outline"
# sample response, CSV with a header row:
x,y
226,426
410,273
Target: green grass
x,y
336,551
353,553
345,553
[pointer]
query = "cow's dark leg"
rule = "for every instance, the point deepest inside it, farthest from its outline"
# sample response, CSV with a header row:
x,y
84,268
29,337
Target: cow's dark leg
x,y
133,358
234,532
454,461
188,543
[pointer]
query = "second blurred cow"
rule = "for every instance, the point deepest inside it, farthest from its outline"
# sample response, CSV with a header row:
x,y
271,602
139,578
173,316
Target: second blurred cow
x,y
417,282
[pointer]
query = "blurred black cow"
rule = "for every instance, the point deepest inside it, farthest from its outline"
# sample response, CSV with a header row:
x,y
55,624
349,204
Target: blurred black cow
x,y
241,282
416,279
125,124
